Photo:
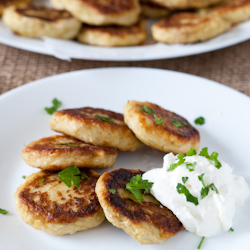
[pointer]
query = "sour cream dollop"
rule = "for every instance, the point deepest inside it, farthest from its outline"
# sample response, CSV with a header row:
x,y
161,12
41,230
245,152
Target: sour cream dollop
x,y
214,213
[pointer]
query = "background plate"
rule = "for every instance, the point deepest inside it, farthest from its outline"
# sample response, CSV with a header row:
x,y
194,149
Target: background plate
x,y
23,120
66,50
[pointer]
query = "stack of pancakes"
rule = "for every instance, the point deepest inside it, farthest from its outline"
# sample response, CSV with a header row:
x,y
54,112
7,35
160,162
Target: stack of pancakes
x,y
91,139
121,22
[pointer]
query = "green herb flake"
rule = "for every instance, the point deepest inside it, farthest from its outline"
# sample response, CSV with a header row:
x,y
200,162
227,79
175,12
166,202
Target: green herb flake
x,y
205,189
212,157
202,239
181,189
136,184
69,144
112,191
147,110
199,121
231,229
175,165
83,176
178,123
69,175
184,179
56,105
191,152
41,181
158,121
105,119
23,176
2,211
190,166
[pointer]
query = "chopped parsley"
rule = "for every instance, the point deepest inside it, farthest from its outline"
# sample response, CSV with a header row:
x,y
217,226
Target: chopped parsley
x,y
23,176
178,123
191,152
184,179
190,166
136,184
205,189
105,119
41,181
231,229
212,157
71,174
112,191
56,105
181,189
148,110
158,121
202,239
175,165
199,121
2,211
69,144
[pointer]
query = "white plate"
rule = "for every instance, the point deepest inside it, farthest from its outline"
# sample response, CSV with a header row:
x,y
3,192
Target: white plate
x,y
66,50
23,120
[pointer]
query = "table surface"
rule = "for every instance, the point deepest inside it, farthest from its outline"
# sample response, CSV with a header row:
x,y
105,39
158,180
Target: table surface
x,y
229,66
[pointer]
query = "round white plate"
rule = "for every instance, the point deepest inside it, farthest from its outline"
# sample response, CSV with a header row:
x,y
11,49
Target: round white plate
x,y
23,120
67,50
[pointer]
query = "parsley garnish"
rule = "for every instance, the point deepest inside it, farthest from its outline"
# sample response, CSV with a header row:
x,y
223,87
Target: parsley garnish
x,y
23,176
199,121
181,189
205,189
56,105
190,166
191,152
175,165
178,123
148,110
83,176
158,121
231,229
112,191
212,157
136,184
71,174
184,179
199,247
69,144
41,181
2,211
105,119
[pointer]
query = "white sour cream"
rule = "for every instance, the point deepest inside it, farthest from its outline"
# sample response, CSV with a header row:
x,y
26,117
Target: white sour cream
x,y
214,213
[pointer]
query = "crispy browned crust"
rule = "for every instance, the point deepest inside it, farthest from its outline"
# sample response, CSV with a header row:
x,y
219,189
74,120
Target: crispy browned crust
x,y
51,145
40,205
183,133
114,30
136,212
110,6
231,5
49,15
175,20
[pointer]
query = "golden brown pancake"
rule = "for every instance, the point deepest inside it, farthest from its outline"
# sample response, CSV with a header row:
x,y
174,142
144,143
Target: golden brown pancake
x,y
60,151
152,10
102,12
147,222
87,124
189,27
166,136
46,203
234,11
38,22
113,35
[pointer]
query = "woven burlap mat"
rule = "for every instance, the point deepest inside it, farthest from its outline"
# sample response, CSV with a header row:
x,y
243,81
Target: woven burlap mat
x,y
229,66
